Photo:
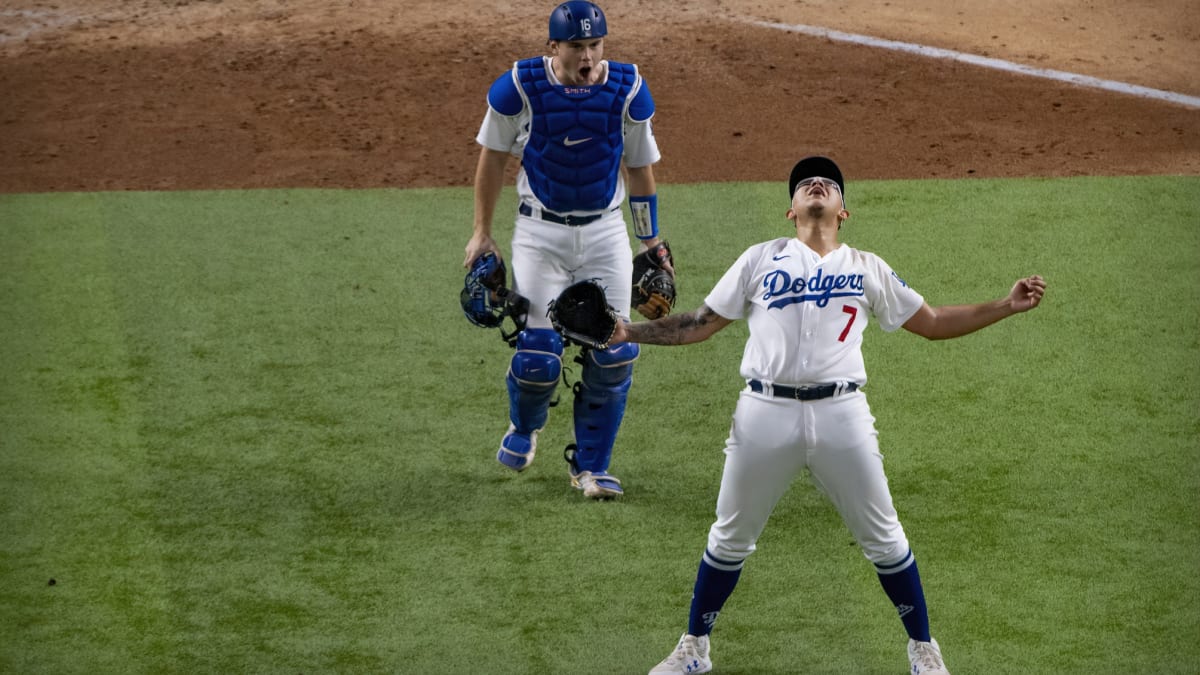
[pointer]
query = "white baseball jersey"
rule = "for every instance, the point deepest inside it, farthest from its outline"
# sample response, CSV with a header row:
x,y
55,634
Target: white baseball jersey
x,y
807,313
510,133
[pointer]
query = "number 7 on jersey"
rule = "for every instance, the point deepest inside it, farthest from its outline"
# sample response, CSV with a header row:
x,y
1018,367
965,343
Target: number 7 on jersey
x,y
853,312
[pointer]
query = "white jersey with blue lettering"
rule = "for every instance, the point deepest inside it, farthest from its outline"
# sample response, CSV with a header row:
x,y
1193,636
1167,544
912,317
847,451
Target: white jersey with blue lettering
x,y
807,313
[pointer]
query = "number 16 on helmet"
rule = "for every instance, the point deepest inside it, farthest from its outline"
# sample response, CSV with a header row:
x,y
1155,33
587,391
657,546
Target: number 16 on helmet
x,y
577,20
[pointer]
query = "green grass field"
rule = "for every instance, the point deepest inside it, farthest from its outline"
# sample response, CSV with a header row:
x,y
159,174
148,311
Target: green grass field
x,y
251,432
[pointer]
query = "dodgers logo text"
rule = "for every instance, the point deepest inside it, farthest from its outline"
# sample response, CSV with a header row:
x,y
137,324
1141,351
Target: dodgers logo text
x,y
818,288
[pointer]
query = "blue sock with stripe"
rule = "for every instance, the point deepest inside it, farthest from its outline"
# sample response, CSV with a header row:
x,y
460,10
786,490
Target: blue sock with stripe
x,y
714,583
902,583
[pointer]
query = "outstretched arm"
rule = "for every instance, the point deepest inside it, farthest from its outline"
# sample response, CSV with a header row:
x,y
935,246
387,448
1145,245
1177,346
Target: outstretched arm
x,y
951,321
676,329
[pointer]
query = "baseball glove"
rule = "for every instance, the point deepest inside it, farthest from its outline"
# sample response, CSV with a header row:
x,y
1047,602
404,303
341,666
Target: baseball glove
x,y
653,285
582,314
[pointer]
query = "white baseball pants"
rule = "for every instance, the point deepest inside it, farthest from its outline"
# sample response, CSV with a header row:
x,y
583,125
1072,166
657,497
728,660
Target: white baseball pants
x,y
547,257
771,440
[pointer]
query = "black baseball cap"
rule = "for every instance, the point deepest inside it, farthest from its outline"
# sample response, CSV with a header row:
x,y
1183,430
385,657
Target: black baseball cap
x,y
815,165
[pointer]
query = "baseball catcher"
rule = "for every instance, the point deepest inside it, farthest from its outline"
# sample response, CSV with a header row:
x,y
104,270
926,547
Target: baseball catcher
x,y
654,281
580,125
582,314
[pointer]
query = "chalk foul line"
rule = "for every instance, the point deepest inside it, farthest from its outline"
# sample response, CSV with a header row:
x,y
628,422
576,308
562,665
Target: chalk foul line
x,y
987,62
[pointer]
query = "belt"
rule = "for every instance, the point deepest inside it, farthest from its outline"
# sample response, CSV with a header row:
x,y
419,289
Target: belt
x,y
572,221
810,393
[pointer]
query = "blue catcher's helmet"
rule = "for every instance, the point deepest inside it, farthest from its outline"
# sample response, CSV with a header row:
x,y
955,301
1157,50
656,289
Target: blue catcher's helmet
x,y
481,297
577,20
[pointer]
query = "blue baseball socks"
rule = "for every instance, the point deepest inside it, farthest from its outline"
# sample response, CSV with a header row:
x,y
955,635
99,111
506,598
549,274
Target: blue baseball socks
x,y
902,583
714,583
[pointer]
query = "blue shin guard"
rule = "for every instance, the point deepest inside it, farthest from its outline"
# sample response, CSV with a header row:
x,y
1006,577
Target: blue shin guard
x,y
600,404
532,378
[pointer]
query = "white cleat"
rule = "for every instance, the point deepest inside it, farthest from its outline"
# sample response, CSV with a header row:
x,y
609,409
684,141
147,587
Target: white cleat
x,y
690,656
926,658
595,484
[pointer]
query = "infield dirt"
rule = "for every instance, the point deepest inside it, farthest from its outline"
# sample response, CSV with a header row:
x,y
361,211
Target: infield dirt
x,y
191,94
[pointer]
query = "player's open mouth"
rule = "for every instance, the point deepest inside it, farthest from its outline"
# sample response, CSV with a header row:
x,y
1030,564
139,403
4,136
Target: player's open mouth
x,y
584,72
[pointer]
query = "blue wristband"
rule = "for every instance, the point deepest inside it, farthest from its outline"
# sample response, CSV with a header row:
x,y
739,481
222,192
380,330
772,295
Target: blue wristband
x,y
644,211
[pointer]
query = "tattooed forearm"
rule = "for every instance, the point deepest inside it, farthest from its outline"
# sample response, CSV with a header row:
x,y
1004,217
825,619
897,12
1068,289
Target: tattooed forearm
x,y
678,329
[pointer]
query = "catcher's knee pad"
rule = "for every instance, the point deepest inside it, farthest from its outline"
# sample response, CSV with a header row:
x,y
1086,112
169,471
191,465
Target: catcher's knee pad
x,y
532,377
600,403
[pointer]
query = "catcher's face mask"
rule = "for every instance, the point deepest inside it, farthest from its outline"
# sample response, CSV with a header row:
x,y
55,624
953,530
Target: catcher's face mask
x,y
481,300
486,300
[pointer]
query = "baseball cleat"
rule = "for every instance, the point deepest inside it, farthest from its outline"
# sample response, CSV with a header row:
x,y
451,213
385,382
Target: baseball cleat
x,y
926,658
690,656
595,484
517,450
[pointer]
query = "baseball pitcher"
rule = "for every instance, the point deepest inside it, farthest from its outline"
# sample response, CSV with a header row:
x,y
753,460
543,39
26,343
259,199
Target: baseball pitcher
x,y
807,299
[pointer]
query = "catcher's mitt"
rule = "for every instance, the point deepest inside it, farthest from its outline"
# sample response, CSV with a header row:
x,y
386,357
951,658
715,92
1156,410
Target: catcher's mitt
x,y
582,314
653,285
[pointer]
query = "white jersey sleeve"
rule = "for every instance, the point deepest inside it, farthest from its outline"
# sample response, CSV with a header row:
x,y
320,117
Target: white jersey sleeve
x,y
505,126
641,149
731,296
891,300
504,133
